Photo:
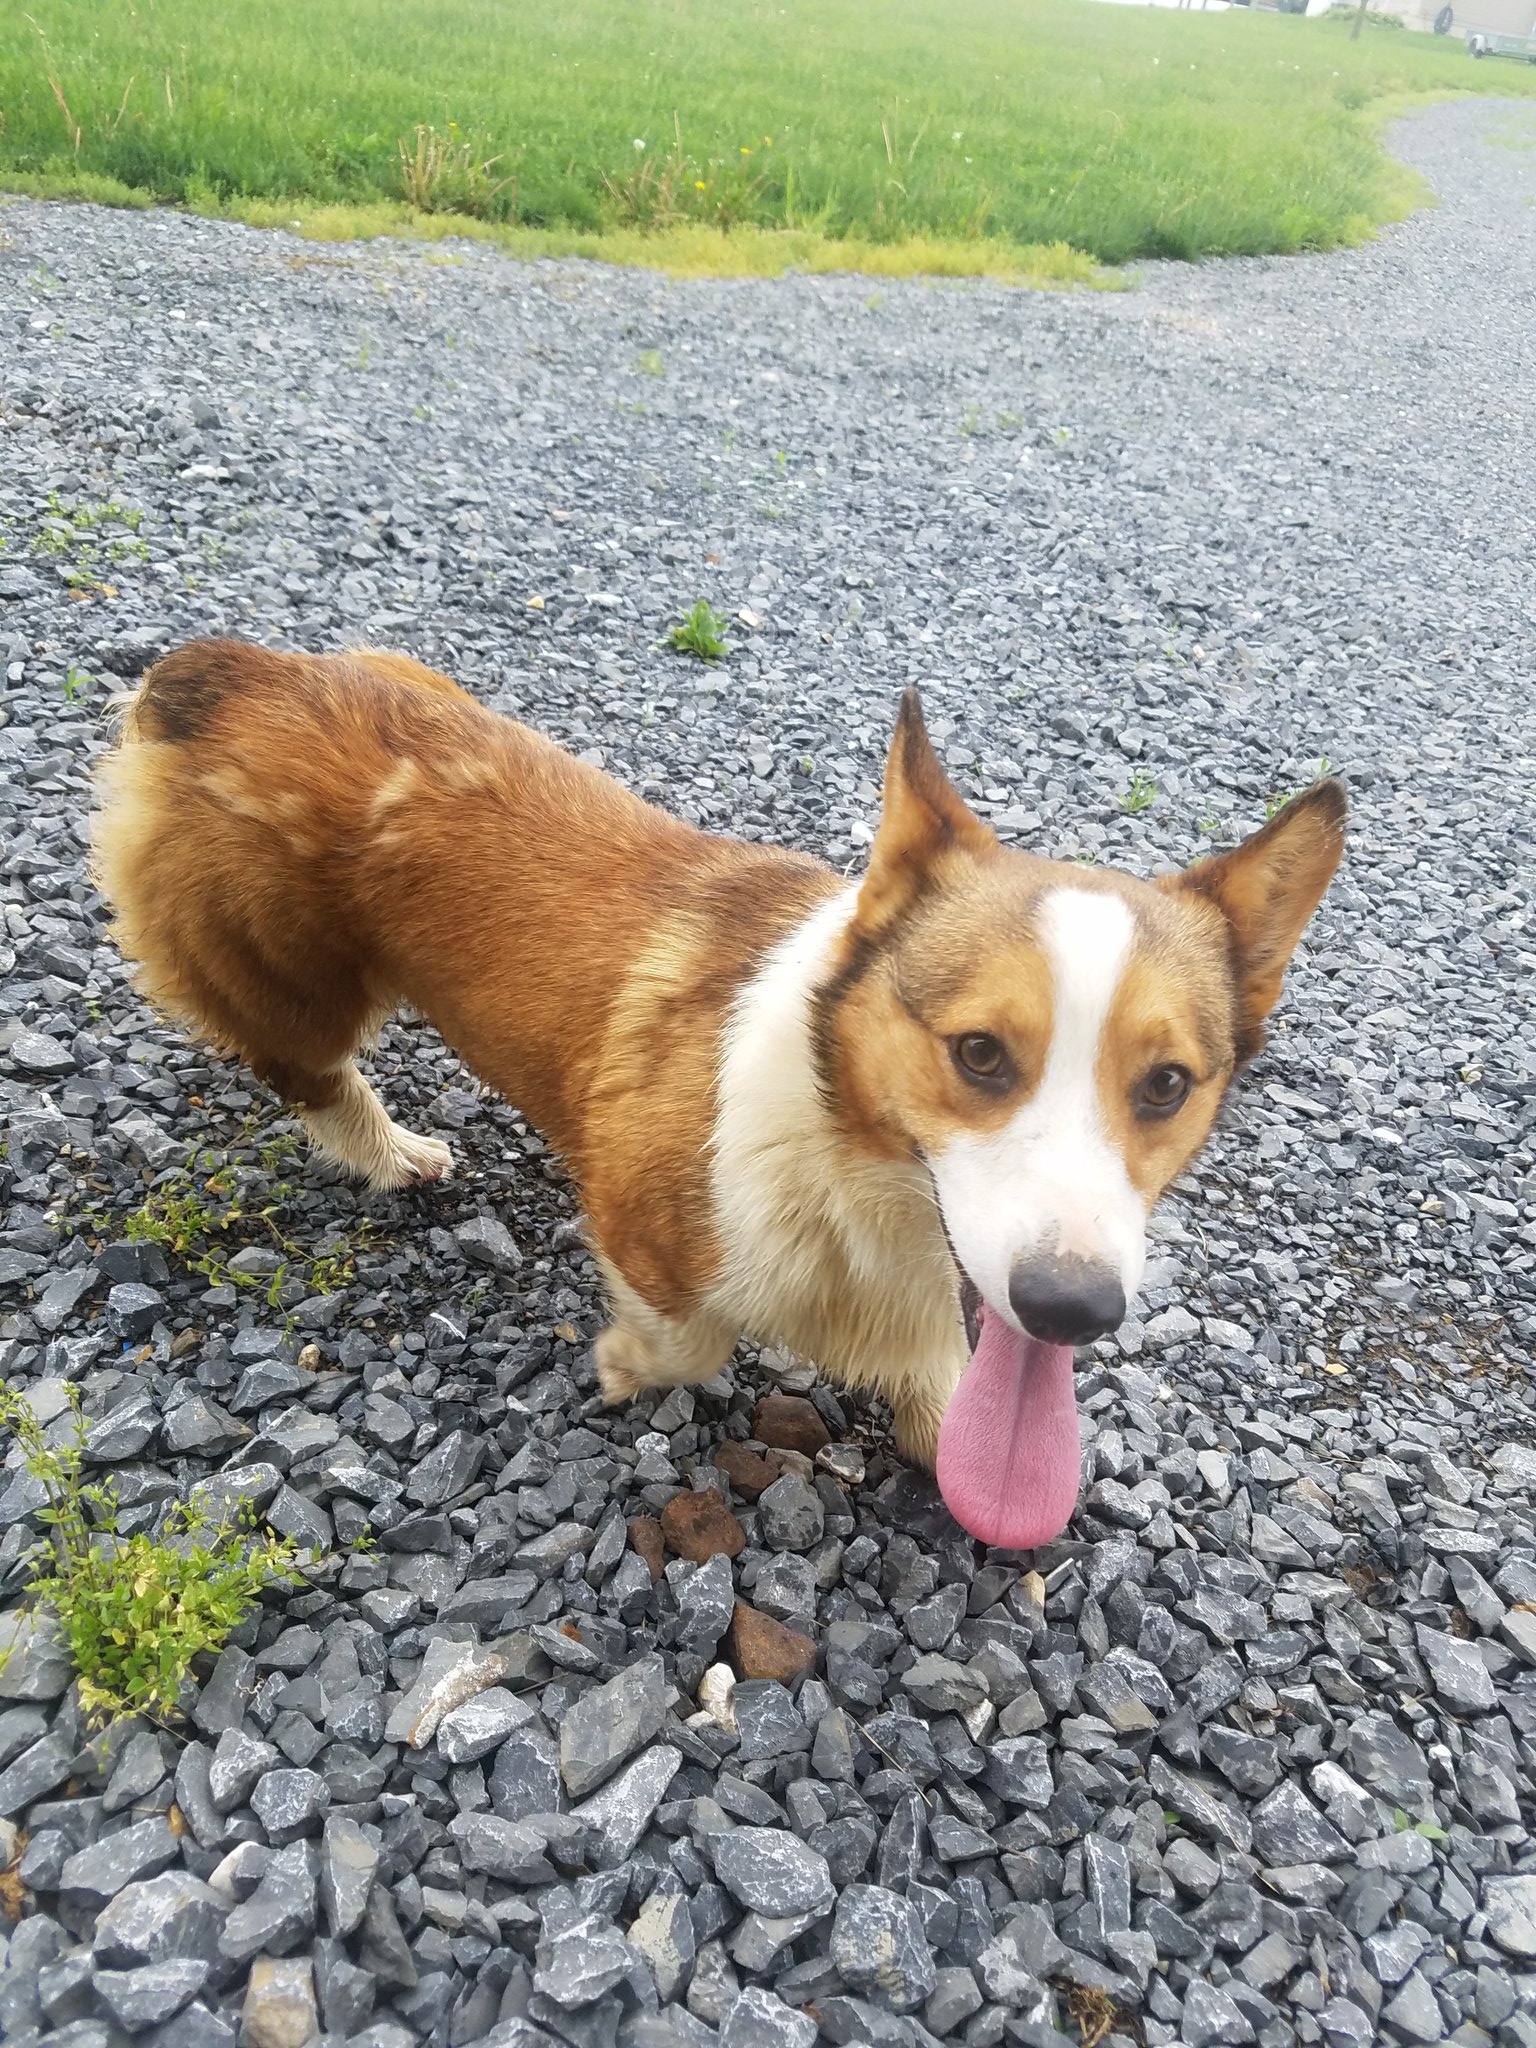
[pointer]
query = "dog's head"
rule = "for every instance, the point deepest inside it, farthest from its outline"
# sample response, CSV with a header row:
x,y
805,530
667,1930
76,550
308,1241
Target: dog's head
x,y
1054,1042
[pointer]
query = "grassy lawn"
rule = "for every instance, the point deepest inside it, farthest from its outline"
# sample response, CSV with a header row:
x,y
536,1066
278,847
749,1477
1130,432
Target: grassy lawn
x,y
931,134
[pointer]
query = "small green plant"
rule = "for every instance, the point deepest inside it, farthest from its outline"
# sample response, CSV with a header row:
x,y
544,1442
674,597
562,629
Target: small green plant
x,y
72,530
970,420
186,1218
1431,1830
1141,795
651,363
278,1150
135,1611
333,1272
202,1217
701,632
75,684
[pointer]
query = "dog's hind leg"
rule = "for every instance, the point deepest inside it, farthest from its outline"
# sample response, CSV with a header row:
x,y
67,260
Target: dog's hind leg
x,y
642,1349
348,1124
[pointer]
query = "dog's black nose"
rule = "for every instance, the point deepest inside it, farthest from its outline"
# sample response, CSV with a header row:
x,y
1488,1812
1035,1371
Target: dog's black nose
x,y
1066,1301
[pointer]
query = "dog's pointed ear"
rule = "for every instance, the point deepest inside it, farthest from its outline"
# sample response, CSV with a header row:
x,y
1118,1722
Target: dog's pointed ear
x,y
922,815
1267,890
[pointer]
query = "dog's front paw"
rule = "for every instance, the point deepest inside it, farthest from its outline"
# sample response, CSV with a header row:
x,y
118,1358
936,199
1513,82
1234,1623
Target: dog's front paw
x,y
618,1356
411,1161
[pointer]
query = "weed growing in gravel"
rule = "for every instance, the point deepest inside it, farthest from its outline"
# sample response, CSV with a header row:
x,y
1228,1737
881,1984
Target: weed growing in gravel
x,y
75,684
651,363
1431,1830
76,530
135,1611
83,515
700,632
202,1216
1141,795
182,1218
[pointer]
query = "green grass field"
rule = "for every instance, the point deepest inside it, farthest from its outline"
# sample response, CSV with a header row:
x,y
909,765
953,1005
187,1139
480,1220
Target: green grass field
x,y
944,134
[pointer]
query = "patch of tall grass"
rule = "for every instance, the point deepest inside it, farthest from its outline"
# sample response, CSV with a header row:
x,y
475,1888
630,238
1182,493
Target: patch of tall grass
x,y
1036,125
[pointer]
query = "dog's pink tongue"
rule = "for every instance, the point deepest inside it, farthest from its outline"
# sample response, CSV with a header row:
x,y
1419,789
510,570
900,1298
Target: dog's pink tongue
x,y
1009,1448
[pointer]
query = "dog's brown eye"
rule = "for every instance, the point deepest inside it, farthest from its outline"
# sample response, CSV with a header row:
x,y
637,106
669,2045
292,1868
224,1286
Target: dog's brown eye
x,y
981,1057
1164,1090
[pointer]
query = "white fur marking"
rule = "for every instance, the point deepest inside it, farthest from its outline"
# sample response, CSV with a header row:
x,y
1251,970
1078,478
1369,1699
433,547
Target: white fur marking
x,y
394,789
836,1255
357,1132
1050,1180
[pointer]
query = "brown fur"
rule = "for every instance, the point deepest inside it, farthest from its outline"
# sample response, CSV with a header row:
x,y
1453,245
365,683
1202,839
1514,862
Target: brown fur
x,y
285,885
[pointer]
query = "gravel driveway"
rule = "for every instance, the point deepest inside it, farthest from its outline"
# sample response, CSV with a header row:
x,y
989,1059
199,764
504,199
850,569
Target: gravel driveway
x,y
1250,1755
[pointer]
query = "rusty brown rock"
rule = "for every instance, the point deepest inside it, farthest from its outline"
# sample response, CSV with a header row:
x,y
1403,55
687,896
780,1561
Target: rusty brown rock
x,y
790,1423
645,1540
761,1647
749,1471
701,1526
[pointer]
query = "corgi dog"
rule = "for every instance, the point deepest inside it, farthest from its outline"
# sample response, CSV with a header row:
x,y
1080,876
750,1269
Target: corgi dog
x,y
909,1127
